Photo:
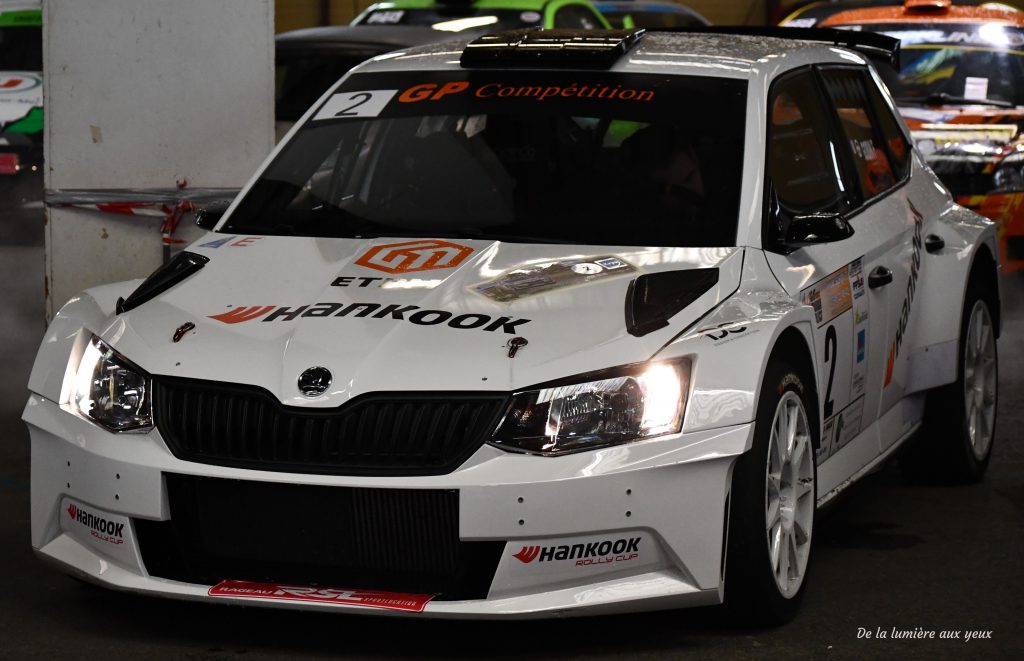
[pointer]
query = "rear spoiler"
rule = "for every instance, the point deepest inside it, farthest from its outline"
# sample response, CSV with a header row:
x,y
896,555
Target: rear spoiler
x,y
870,44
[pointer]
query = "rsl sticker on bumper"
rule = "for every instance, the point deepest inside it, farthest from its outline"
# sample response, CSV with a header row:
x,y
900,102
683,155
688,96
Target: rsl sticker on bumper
x,y
397,601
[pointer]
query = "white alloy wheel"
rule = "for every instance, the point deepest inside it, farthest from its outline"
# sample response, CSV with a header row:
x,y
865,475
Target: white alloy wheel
x,y
980,380
789,494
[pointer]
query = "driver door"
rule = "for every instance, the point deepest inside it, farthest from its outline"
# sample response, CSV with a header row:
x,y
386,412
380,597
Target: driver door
x,y
813,174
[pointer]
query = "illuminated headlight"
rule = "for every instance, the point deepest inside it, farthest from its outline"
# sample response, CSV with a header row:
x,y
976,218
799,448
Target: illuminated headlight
x,y
625,405
110,391
1008,178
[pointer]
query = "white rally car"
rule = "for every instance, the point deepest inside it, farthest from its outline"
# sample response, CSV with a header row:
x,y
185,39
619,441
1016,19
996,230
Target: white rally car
x,y
545,323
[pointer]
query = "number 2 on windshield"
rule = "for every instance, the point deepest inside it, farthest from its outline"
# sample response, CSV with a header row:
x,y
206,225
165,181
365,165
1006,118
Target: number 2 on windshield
x,y
346,105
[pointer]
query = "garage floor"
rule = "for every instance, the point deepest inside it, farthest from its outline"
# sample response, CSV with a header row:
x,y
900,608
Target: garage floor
x,y
888,555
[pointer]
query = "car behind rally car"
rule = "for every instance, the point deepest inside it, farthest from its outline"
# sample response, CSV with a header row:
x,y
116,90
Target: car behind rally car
x,y
512,327
960,88
460,15
21,89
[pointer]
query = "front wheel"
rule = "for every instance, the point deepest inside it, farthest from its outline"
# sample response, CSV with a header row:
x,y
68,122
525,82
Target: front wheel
x,y
772,505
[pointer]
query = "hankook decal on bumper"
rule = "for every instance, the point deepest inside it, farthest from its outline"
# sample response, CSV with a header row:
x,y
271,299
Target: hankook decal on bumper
x,y
99,527
592,553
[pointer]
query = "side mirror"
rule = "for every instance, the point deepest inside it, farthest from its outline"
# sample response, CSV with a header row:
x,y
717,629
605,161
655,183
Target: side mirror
x,y
208,217
814,228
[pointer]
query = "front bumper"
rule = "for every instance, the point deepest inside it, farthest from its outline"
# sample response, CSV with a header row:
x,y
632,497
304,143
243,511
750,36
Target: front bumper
x,y
667,497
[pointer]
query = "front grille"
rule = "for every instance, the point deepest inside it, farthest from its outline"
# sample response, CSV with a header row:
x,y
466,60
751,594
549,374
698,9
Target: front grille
x,y
398,540
377,434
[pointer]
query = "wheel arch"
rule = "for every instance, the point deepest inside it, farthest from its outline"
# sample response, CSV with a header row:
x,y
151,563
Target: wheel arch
x,y
793,346
87,313
984,275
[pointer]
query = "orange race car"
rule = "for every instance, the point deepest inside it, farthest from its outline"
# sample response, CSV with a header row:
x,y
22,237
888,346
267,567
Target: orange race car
x,y
960,88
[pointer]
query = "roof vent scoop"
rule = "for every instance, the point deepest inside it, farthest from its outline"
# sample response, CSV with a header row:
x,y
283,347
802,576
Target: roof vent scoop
x,y
654,298
534,47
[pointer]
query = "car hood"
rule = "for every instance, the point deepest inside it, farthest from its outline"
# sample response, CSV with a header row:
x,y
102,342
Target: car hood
x,y
267,308
20,92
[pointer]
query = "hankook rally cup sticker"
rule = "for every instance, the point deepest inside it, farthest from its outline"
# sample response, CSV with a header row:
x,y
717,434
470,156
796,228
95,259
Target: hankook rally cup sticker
x,y
104,532
548,276
396,601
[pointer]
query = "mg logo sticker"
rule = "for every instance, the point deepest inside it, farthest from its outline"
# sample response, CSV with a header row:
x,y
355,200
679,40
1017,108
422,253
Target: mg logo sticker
x,y
411,256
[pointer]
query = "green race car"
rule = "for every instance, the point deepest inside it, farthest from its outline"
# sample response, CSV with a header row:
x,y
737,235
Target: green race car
x,y
21,88
491,14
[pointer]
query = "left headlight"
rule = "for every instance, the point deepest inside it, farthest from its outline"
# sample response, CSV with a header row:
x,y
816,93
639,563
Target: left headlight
x,y
111,391
624,405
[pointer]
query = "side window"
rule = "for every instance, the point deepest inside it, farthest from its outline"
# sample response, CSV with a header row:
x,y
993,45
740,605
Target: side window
x,y
801,159
856,121
576,16
895,140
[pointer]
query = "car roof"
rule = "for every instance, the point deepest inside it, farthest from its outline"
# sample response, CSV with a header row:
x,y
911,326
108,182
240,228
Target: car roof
x,y
529,5
928,11
687,53
642,5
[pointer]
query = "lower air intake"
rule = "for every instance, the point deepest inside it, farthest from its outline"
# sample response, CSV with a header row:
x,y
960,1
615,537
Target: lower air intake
x,y
396,540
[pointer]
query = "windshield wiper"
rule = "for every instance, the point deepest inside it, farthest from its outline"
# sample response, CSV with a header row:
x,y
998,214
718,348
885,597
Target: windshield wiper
x,y
944,98
472,233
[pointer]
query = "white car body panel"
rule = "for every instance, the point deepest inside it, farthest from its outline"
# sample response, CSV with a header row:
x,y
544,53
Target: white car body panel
x,y
669,492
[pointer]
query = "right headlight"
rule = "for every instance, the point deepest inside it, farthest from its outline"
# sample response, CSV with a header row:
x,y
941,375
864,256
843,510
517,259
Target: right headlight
x,y
624,405
111,391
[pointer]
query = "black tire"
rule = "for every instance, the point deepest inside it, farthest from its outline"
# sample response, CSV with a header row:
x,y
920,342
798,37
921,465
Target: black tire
x,y
943,451
752,595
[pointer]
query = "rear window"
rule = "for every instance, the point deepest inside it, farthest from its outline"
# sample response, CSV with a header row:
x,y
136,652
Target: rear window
x,y
574,157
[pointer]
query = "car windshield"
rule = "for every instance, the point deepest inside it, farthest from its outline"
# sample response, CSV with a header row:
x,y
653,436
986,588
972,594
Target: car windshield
x,y
455,18
566,157
953,63
21,48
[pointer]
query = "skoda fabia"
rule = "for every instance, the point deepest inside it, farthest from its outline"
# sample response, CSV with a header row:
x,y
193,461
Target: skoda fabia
x,y
544,323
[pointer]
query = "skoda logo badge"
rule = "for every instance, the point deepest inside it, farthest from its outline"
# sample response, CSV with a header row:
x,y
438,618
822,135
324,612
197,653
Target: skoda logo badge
x,y
314,381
